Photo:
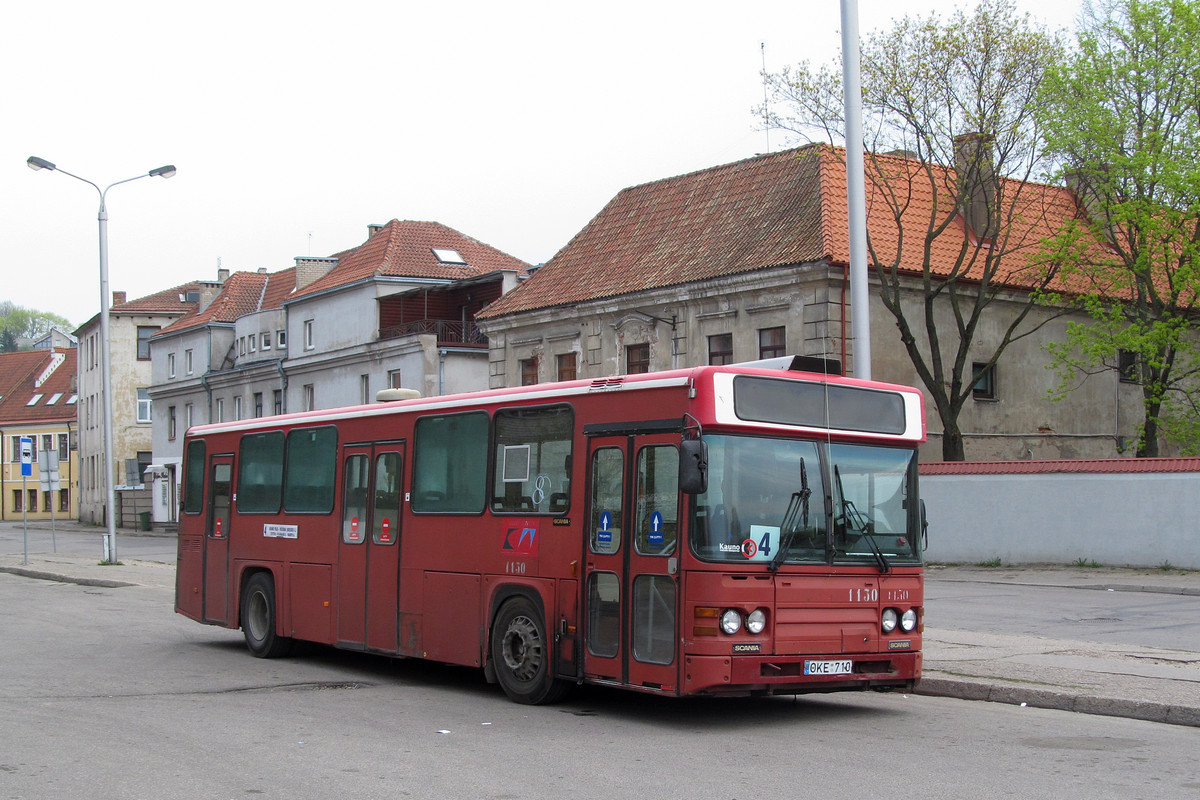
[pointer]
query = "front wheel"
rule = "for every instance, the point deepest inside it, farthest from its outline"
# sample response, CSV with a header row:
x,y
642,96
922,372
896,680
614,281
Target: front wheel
x,y
521,655
258,618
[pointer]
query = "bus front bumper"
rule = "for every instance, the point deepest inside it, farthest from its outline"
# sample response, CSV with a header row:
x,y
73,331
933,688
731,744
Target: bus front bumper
x,y
797,674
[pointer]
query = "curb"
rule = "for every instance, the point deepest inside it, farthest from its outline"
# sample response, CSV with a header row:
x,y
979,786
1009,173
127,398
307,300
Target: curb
x,y
1060,701
58,578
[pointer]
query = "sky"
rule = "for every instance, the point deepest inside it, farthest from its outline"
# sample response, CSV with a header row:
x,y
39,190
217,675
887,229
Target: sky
x,y
296,125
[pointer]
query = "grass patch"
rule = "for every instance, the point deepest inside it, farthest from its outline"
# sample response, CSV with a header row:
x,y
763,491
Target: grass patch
x,y
991,563
1085,564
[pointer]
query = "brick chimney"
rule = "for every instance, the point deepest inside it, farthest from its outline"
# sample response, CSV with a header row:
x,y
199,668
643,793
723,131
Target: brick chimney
x,y
310,268
977,184
118,298
1091,199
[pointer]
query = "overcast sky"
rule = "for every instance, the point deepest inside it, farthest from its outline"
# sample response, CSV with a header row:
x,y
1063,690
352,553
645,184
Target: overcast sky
x,y
295,125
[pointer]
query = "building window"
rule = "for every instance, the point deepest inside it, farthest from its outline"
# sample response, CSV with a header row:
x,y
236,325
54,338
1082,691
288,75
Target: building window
x,y
772,342
258,404
143,406
18,500
187,362
187,416
720,349
529,371
567,369
237,407
47,499
171,423
144,332
220,409
242,346
281,339
308,335
64,446
394,381
266,340
637,359
310,397
64,500
364,389
170,365
278,398
983,377
1127,366
252,341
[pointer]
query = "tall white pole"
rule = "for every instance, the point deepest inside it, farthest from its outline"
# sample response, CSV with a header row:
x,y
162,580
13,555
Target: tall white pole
x,y
110,492
860,295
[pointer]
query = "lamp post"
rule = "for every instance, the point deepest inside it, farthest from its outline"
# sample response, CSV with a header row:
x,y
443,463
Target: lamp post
x,y
110,537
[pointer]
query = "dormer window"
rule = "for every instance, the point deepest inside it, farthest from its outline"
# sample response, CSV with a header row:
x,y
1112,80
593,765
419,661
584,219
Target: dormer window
x,y
448,256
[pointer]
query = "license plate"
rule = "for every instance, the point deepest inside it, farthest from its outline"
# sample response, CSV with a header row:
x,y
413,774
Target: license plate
x,y
842,667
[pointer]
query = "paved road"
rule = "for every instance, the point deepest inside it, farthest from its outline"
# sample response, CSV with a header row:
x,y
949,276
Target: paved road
x,y
104,692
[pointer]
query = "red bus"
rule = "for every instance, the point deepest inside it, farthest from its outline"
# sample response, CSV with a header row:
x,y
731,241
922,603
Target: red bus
x,y
732,530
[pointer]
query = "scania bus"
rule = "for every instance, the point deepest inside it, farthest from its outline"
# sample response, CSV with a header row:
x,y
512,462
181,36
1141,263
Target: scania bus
x,y
722,530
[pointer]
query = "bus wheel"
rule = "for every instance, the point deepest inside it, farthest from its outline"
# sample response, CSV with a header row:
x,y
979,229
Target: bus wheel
x,y
521,655
258,618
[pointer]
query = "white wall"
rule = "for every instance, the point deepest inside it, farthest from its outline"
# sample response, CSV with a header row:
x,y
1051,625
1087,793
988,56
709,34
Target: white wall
x,y
1113,519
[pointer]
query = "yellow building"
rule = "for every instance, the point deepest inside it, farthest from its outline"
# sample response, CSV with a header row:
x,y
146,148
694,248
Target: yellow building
x,y
38,401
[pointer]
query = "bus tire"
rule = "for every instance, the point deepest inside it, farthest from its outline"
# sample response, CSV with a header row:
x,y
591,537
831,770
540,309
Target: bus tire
x,y
522,654
259,618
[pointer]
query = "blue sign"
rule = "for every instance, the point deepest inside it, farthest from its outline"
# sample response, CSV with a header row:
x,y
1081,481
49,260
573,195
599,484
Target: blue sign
x,y
605,521
656,528
26,456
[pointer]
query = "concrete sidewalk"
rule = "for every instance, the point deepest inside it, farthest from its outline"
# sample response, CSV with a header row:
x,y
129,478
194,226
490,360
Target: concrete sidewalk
x,y
1123,681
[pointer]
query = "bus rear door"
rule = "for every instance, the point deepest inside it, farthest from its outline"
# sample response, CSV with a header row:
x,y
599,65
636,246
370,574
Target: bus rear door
x,y
630,597
216,540
369,550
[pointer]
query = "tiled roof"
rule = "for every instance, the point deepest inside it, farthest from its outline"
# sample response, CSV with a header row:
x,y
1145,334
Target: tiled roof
x,y
1105,465
404,249
165,302
772,210
19,375
242,293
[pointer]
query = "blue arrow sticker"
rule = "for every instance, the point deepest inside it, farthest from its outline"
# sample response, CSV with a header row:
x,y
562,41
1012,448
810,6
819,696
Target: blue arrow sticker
x,y
656,528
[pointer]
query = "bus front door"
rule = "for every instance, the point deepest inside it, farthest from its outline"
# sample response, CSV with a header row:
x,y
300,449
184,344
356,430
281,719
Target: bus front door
x,y
216,540
630,594
369,551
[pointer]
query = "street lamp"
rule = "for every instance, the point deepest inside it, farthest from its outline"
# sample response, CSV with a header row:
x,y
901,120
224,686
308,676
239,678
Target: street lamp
x,y
35,163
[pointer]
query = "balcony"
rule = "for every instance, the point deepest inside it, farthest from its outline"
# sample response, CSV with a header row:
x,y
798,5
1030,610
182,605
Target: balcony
x,y
448,332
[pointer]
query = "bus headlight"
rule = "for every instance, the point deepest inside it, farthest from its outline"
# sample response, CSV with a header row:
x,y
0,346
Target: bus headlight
x,y
889,620
908,621
756,621
731,621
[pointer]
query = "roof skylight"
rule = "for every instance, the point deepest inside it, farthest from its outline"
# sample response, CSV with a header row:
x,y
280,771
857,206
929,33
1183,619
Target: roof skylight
x,y
34,400
54,398
447,256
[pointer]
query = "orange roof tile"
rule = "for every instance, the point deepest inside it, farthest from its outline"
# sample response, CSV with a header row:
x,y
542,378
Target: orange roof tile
x,y
19,375
404,249
242,293
779,209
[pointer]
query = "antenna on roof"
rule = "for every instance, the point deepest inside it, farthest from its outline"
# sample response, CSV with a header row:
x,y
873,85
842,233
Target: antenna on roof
x,y
766,115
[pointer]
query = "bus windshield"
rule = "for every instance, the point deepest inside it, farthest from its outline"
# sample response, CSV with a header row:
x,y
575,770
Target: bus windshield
x,y
819,502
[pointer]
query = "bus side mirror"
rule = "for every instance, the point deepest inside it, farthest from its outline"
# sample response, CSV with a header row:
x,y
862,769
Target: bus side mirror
x,y
693,466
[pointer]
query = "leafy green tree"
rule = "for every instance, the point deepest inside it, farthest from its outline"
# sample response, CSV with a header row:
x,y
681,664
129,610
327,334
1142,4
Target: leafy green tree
x,y
17,322
1122,116
962,93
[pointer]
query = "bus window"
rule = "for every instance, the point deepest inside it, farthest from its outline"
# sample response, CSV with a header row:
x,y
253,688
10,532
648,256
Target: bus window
x,y
450,464
386,514
604,614
608,482
354,499
311,470
260,473
657,492
193,478
532,460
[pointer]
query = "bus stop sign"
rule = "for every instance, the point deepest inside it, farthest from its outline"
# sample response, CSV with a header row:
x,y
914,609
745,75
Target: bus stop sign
x,y
26,456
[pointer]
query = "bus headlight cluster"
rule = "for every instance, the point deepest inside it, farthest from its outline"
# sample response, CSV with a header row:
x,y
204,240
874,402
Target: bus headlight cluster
x,y
732,621
893,618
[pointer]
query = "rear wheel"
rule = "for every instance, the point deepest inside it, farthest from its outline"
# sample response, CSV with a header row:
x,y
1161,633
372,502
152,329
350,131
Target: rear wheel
x,y
521,654
258,618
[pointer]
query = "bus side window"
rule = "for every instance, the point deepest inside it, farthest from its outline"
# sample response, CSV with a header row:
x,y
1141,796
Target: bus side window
x,y
532,459
449,465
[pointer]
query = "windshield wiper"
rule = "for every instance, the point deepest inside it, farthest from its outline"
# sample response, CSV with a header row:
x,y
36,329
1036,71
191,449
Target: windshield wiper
x,y
850,514
797,508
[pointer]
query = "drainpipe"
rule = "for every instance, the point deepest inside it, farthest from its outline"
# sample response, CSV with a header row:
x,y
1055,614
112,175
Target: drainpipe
x,y
283,384
441,371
